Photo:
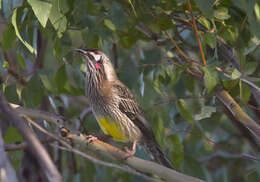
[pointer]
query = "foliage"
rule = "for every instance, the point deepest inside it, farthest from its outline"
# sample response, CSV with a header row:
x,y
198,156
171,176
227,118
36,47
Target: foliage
x,y
38,65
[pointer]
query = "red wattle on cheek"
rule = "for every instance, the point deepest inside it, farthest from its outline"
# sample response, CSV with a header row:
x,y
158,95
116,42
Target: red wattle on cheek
x,y
98,66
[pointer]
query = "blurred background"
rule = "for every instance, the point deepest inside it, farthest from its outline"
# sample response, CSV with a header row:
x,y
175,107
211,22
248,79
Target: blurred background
x,y
156,53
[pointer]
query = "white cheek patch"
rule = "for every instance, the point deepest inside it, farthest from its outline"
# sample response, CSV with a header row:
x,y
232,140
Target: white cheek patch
x,y
97,57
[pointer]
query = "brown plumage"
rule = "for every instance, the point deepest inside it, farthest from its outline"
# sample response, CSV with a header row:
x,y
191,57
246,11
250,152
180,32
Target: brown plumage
x,y
115,107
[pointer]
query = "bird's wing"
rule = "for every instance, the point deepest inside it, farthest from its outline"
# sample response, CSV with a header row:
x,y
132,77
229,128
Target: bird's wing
x,y
129,106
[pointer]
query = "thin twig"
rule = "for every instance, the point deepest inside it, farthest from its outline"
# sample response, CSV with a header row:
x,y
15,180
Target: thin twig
x,y
36,125
228,156
194,25
24,145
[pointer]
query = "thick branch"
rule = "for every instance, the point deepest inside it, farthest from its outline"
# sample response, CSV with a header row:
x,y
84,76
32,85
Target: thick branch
x,y
144,166
36,147
238,113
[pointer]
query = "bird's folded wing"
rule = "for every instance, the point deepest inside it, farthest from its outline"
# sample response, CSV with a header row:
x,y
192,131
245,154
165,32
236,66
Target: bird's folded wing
x,y
129,106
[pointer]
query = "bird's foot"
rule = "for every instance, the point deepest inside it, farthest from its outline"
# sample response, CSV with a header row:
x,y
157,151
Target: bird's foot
x,y
91,138
130,153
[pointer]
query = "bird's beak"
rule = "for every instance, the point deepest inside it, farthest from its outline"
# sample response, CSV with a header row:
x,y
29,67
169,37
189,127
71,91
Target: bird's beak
x,y
81,51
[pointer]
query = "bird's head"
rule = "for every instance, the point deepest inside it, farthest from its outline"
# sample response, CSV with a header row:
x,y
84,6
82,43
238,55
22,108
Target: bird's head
x,y
98,64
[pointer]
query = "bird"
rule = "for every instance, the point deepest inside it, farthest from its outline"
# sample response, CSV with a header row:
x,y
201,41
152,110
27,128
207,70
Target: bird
x,y
115,107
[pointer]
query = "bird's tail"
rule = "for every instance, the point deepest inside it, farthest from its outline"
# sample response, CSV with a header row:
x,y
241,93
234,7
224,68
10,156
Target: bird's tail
x,y
153,148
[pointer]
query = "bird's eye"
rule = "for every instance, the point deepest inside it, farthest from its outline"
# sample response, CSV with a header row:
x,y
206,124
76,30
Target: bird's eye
x,y
100,61
97,57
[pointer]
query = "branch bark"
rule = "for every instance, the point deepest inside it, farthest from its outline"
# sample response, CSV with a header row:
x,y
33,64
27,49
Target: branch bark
x,y
144,166
108,150
7,172
36,147
238,113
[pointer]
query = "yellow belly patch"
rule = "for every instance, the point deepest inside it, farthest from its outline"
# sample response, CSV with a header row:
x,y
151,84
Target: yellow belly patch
x,y
112,128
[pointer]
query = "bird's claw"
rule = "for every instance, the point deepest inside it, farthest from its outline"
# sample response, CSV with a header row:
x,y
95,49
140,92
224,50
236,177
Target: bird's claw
x,y
91,138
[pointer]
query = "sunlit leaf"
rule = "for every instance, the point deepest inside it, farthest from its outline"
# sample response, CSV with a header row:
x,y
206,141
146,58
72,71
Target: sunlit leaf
x,y
210,77
176,150
132,6
245,92
184,110
41,10
206,112
109,25
14,22
235,74
57,18
221,13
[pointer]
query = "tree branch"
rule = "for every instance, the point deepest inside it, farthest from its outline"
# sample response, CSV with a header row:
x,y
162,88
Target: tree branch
x,y
106,149
58,120
238,113
195,29
144,166
7,172
23,145
36,147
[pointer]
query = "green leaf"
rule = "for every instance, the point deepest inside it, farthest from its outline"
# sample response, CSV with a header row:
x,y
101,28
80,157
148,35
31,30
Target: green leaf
x,y
11,94
250,67
184,110
61,80
176,150
8,37
235,74
189,83
157,86
29,47
210,39
206,6
5,64
132,6
159,131
58,19
41,10
230,84
12,135
205,22
245,92
33,93
221,13
62,47
21,61
48,83
210,77
109,24
206,112
117,16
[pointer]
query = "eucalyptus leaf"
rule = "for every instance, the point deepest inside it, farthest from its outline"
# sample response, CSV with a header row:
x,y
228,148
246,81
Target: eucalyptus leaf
x,y
41,10
185,111
211,78
14,22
